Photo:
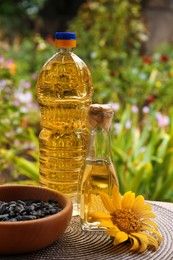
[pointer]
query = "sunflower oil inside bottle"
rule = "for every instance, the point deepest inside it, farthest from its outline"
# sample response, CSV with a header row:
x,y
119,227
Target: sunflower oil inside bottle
x,y
99,173
64,91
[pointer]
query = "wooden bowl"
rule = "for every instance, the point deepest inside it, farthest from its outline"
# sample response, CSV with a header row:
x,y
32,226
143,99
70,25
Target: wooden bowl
x,y
31,235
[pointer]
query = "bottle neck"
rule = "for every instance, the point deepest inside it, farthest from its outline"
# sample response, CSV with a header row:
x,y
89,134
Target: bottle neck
x,y
99,145
65,50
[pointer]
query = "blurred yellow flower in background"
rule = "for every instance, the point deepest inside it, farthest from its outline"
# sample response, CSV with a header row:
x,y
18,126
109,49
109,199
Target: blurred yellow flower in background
x,y
12,68
128,221
158,84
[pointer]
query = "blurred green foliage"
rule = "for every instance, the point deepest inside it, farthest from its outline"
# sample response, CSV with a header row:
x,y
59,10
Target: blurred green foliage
x,y
19,111
144,159
110,35
109,32
16,16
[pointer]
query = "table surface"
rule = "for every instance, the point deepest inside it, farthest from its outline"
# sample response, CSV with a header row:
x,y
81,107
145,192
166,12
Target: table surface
x,y
166,205
76,244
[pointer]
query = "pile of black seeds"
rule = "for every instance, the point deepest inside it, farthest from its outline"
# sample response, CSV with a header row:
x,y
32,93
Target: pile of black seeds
x,y
27,210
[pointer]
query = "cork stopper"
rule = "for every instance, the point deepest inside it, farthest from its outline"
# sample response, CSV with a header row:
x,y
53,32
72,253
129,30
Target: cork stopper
x,y
99,116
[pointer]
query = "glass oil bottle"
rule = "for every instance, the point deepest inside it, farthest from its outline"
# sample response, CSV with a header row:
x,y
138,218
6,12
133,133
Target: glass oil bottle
x,y
64,93
99,173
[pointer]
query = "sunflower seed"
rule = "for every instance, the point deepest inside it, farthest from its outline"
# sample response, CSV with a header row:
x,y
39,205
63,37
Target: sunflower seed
x,y
27,210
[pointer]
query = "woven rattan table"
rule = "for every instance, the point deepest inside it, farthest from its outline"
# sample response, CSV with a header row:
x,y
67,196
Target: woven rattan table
x,y
76,244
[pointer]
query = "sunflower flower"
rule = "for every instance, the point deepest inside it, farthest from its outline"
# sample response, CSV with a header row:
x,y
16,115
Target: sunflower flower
x,y
129,220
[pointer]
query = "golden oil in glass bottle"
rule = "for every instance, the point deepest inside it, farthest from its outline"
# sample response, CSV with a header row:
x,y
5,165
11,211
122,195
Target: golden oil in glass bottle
x,y
99,173
64,92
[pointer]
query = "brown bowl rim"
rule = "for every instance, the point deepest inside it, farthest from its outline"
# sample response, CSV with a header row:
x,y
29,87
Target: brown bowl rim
x,y
44,219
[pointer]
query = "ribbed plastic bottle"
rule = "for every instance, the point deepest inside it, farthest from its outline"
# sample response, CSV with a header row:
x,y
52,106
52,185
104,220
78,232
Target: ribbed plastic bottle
x,y
99,173
64,93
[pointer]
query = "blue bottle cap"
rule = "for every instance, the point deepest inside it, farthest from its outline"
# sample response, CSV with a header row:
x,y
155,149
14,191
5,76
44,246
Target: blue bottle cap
x,y
65,36
65,39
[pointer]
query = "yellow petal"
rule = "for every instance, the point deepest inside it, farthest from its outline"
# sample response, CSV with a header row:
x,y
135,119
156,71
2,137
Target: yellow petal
x,y
116,198
143,247
120,238
143,240
147,207
146,214
150,223
128,200
138,204
152,242
105,223
100,215
141,237
145,227
112,231
107,202
135,243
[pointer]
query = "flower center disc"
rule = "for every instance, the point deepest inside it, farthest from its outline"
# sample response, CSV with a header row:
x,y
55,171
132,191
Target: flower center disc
x,y
126,220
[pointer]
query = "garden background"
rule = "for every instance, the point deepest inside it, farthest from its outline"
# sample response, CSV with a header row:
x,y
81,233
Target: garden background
x,y
113,38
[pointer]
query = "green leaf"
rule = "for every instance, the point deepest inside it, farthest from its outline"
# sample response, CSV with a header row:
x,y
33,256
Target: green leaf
x,y
163,188
143,175
27,168
162,149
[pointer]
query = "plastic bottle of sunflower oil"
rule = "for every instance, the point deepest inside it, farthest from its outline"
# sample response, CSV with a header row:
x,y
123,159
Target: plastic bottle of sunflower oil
x,y
64,92
99,173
